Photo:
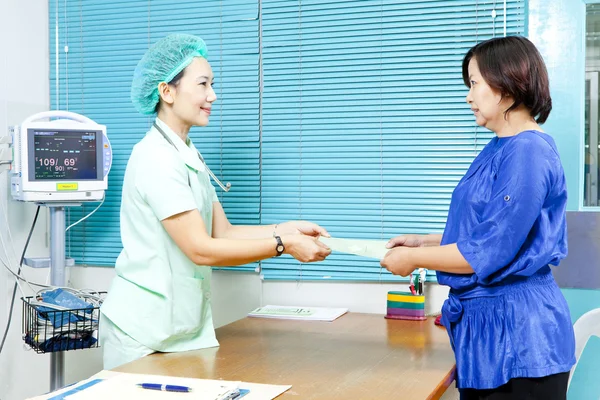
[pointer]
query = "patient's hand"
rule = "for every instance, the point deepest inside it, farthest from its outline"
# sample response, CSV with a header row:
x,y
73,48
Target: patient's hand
x,y
399,261
415,241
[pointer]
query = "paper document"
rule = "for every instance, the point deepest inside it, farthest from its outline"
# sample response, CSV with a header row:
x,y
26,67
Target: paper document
x,y
365,248
300,313
123,386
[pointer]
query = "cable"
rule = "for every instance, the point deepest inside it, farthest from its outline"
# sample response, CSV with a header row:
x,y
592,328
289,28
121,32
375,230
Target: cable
x,y
11,241
12,302
87,216
12,246
29,283
16,280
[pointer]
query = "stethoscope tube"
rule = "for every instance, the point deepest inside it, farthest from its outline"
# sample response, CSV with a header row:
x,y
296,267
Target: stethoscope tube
x,y
225,187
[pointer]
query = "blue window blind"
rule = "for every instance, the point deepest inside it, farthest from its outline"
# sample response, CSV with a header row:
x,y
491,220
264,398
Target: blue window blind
x,y
105,40
365,128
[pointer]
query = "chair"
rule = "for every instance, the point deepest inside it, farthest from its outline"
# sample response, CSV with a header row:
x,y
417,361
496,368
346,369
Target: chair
x,y
585,327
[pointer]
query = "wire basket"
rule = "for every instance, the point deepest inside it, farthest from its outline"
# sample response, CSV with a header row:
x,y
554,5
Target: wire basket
x,y
49,329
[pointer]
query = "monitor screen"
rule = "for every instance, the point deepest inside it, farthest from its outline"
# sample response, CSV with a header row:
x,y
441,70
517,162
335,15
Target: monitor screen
x,y
63,154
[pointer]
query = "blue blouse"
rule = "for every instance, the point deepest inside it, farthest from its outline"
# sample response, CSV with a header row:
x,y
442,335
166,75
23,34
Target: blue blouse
x,y
507,217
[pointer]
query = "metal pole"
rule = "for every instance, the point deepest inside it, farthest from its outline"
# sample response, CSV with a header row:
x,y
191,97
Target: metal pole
x,y
57,278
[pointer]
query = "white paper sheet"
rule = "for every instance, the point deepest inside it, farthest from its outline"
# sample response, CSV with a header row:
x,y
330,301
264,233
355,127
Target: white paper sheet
x,y
299,313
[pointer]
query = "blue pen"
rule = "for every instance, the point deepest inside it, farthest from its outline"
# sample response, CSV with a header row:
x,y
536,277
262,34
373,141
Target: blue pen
x,y
164,388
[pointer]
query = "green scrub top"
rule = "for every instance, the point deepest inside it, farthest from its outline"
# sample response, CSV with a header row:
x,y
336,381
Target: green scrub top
x,y
160,297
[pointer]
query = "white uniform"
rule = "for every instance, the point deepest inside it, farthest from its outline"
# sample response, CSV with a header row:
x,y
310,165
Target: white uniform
x,y
160,299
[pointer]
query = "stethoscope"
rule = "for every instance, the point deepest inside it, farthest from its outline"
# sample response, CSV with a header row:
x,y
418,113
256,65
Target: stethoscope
x,y
224,187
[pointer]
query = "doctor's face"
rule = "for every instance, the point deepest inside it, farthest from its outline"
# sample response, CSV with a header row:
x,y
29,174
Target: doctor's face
x,y
194,94
487,104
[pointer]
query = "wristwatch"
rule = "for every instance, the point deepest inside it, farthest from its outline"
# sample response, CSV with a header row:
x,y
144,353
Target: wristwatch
x,y
280,247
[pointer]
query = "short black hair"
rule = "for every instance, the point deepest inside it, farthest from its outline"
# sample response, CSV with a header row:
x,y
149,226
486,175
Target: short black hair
x,y
513,66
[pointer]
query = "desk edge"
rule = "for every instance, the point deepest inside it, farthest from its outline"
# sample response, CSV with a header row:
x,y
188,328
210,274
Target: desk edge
x,y
441,388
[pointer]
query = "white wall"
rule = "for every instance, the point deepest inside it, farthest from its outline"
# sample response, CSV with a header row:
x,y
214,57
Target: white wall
x,y
357,297
23,91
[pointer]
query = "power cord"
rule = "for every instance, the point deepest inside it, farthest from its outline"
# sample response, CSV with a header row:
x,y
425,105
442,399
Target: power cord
x,y
87,216
12,302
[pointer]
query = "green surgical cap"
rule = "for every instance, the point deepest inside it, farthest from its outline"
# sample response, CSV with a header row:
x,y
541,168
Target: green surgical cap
x,y
161,63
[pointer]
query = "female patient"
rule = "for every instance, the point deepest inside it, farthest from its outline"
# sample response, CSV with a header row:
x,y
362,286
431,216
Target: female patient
x,y
508,322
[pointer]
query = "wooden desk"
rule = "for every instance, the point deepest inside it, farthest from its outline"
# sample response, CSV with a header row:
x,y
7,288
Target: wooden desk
x,y
358,356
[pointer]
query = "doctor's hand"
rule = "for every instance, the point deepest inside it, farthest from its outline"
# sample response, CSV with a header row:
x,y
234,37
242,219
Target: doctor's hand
x,y
305,248
414,241
398,261
302,228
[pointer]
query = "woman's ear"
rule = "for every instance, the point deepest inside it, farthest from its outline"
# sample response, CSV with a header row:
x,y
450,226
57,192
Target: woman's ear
x,y
165,92
506,100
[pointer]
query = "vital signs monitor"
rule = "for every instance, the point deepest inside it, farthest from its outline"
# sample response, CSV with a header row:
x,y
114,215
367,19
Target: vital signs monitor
x,y
60,156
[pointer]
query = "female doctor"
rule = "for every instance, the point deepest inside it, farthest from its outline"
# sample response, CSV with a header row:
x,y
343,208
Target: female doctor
x,y
173,227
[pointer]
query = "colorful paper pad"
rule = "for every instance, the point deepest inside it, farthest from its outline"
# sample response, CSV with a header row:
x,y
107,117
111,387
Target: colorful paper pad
x,y
405,305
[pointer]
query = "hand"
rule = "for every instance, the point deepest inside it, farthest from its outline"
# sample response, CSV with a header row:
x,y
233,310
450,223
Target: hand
x,y
301,228
414,241
304,248
398,261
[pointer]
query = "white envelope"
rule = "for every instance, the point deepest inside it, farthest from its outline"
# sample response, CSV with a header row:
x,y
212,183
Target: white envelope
x,y
360,247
